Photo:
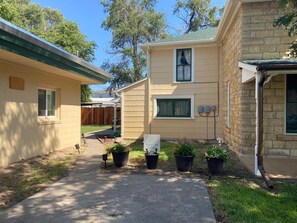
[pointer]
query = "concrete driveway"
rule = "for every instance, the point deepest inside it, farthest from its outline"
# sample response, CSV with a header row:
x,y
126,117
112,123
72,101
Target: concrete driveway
x,y
88,195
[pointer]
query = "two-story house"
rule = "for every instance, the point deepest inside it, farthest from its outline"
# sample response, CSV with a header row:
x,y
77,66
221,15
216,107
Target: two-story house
x,y
234,82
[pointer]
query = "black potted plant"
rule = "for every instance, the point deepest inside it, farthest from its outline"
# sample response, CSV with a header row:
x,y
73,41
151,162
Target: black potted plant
x,y
120,154
151,159
184,156
216,158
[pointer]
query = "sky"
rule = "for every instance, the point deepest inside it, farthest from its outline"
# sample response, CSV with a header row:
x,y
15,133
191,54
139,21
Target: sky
x,y
89,15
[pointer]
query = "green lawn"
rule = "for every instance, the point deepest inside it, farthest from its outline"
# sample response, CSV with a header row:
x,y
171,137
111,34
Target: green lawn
x,y
242,200
92,128
166,154
237,196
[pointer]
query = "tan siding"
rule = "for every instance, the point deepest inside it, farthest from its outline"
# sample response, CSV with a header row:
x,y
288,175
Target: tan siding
x,y
21,135
204,89
134,120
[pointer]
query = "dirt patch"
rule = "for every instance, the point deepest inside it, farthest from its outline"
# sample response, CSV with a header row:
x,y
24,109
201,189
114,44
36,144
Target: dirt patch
x,y
24,178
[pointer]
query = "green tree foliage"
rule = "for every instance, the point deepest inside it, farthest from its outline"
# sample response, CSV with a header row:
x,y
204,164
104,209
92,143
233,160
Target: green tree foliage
x,y
197,14
85,93
289,21
50,25
132,23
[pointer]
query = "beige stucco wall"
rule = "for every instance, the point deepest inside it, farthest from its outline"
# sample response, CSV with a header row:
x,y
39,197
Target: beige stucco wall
x,y
205,90
252,36
22,135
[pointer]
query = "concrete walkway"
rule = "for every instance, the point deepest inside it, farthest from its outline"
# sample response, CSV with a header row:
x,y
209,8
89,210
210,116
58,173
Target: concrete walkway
x,y
277,168
88,195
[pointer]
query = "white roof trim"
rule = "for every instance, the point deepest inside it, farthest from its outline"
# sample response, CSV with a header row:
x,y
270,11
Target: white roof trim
x,y
131,85
172,43
249,72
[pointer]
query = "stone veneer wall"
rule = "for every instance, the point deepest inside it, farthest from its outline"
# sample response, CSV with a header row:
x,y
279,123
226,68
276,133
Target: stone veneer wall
x,y
231,53
259,40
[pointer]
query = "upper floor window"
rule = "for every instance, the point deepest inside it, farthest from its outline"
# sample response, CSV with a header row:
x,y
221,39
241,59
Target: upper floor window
x,y
46,103
183,65
291,104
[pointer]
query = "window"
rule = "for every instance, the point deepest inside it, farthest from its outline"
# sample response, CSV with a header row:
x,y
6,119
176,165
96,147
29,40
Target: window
x,y
174,107
291,104
228,105
183,68
46,103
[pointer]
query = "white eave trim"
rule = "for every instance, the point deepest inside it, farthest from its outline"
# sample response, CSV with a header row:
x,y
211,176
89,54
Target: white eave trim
x,y
173,43
248,72
131,85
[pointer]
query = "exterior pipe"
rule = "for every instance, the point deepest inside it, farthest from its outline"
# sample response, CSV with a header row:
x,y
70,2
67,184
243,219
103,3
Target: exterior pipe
x,y
149,126
259,139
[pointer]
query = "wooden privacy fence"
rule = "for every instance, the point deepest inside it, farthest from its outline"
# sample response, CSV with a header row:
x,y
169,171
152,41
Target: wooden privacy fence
x,y
98,116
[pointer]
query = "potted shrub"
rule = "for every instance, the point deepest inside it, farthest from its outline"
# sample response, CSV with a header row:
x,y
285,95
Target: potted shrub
x,y
216,157
184,155
151,159
120,154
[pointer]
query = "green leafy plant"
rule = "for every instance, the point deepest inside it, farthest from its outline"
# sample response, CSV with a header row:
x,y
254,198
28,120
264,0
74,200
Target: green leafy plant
x,y
184,150
117,147
215,152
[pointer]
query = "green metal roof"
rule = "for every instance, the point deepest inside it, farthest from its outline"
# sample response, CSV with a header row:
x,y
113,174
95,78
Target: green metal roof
x,y
21,42
206,34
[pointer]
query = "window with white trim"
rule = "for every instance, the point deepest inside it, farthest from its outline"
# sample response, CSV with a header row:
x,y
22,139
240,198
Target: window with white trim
x,y
183,70
291,104
228,105
181,106
46,103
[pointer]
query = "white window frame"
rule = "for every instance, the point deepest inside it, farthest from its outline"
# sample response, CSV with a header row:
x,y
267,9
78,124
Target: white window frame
x,y
46,104
192,65
192,97
285,104
228,105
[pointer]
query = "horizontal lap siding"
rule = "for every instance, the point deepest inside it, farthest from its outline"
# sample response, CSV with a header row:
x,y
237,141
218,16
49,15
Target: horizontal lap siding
x,y
204,89
134,120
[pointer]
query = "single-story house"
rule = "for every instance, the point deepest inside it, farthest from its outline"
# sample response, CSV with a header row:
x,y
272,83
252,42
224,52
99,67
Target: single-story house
x,y
39,94
234,82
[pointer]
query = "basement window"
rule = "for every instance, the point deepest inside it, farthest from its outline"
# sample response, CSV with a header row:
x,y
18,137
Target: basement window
x,y
291,104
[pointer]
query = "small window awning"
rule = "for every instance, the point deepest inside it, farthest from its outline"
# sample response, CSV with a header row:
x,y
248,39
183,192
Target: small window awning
x,y
252,68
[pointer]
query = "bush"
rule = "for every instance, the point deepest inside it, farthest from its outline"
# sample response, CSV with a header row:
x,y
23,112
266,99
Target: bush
x,y
117,147
216,152
184,150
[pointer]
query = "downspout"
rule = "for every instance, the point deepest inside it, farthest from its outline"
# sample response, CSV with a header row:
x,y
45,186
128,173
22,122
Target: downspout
x,y
148,52
260,81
